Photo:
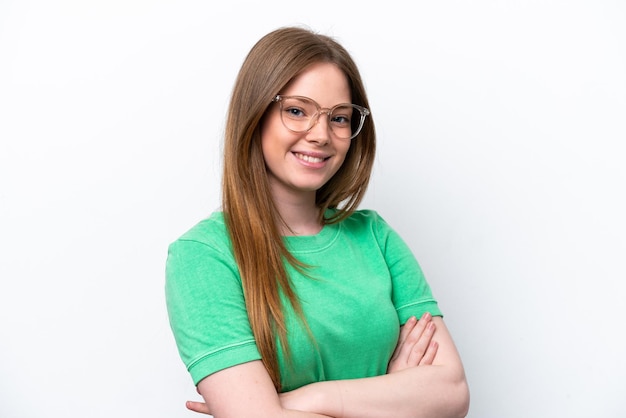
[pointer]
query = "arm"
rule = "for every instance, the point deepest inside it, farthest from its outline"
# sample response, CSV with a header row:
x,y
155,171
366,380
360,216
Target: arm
x,y
209,320
437,390
245,390
416,384
415,347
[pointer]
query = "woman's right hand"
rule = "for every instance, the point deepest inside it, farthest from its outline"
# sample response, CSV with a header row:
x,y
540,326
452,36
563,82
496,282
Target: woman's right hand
x,y
416,346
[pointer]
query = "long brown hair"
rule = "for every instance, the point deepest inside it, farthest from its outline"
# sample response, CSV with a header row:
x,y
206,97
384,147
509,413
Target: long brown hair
x,y
249,211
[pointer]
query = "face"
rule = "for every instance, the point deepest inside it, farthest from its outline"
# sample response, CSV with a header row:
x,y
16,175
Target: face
x,y
300,163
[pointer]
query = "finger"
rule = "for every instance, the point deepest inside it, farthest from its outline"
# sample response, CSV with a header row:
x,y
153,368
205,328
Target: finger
x,y
404,355
430,354
420,347
405,330
199,407
404,350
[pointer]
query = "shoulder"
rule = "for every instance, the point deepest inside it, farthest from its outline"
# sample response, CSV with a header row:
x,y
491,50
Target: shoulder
x,y
366,224
367,219
208,237
210,232
203,251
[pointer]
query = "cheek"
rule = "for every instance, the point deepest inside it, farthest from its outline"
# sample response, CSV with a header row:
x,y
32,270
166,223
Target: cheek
x,y
342,150
269,137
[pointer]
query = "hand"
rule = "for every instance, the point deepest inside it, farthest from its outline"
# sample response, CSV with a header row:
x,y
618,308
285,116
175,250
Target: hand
x,y
415,345
299,399
296,399
415,348
199,407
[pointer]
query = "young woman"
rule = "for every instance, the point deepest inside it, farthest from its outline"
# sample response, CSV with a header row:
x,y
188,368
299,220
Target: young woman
x,y
290,302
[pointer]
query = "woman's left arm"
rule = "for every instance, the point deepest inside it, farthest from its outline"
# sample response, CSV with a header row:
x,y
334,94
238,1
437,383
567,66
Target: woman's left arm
x,y
437,390
425,379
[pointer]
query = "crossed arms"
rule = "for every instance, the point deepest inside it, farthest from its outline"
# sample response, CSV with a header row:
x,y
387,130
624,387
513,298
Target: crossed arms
x,y
425,378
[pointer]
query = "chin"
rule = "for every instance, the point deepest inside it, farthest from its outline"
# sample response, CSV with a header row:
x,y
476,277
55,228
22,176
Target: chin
x,y
309,186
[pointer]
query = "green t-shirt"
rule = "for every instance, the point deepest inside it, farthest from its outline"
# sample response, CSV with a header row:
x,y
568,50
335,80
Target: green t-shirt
x,y
363,284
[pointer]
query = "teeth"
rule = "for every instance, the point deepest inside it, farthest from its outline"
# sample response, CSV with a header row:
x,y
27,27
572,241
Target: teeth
x,y
309,158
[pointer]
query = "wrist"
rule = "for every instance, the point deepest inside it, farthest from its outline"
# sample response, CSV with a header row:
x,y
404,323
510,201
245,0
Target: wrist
x,y
327,398
320,398
338,398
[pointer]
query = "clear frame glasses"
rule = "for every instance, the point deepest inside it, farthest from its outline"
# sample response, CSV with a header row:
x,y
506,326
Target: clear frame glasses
x,y
299,114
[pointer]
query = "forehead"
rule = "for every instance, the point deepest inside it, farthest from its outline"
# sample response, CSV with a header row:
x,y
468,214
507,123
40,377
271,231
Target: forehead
x,y
323,82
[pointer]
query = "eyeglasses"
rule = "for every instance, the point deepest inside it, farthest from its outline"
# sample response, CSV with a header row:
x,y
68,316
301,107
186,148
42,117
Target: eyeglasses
x,y
299,114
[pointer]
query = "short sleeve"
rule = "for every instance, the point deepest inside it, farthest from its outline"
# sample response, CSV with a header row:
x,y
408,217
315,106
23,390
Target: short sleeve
x,y
411,293
206,308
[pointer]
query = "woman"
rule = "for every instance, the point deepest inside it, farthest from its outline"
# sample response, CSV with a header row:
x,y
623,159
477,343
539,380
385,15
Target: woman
x,y
291,302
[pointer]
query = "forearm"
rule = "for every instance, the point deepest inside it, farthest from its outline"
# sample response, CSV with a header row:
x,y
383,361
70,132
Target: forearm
x,y
245,390
418,384
203,408
425,391
289,413
411,388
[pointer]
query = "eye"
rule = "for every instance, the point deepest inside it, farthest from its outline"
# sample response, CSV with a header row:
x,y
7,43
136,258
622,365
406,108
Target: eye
x,y
294,112
341,115
340,120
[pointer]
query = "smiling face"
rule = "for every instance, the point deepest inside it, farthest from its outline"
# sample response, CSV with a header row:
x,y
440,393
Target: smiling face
x,y
298,164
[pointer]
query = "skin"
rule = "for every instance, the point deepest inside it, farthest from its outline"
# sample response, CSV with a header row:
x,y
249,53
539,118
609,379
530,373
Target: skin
x,y
425,377
415,347
293,180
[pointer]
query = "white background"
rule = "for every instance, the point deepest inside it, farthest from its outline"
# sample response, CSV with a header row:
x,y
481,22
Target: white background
x,y
501,135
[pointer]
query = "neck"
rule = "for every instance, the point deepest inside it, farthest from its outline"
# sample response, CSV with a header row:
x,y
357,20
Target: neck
x,y
299,214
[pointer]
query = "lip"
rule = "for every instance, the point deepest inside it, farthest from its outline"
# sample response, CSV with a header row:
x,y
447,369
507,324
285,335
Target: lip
x,y
311,159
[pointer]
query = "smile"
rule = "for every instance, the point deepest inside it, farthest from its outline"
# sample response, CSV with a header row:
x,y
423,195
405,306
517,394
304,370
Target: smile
x,y
310,158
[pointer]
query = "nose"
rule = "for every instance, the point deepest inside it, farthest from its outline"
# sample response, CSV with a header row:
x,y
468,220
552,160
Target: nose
x,y
320,131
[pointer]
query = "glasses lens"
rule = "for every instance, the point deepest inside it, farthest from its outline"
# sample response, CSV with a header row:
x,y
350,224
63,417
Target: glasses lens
x,y
345,121
299,114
